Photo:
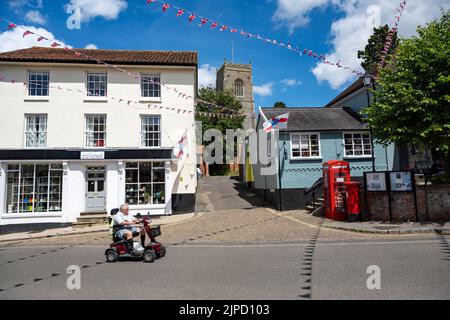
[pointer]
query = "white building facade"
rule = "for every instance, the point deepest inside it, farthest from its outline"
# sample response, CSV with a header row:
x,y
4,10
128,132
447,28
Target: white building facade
x,y
78,136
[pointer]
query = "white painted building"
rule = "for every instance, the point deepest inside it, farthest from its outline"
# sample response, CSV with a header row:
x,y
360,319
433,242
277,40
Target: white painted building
x,y
77,136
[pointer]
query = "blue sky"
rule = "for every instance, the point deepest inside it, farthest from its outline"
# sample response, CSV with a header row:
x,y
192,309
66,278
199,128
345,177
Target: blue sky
x,y
279,74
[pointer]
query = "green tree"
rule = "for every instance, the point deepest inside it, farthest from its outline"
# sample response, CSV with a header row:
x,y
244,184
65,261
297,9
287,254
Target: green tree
x,y
412,98
371,54
218,118
279,104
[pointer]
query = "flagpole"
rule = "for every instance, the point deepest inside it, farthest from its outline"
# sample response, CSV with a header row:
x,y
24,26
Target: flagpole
x,y
279,171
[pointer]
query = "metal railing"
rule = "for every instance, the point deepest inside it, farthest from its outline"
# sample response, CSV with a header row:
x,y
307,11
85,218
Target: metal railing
x,y
314,189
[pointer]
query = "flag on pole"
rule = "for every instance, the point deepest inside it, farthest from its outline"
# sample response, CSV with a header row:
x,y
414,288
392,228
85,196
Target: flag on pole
x,y
181,148
279,122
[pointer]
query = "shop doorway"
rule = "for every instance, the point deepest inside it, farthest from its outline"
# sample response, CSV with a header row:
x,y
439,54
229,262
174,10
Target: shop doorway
x,y
95,189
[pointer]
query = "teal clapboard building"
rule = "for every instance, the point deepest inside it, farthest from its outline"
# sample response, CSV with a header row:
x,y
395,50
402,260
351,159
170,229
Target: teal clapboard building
x,y
313,137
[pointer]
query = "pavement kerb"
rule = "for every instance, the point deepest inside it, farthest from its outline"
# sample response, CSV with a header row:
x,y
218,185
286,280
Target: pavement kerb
x,y
392,232
430,230
81,231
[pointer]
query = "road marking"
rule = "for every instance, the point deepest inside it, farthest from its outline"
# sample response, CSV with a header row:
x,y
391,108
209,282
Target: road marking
x,y
256,245
291,218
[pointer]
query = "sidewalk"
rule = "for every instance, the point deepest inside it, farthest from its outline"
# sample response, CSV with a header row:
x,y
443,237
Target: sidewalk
x,y
165,220
388,228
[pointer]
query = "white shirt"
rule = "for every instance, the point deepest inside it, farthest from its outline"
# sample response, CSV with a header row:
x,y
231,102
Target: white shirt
x,y
120,217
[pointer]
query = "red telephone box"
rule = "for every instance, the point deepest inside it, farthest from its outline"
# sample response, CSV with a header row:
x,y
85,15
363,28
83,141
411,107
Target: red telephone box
x,y
335,174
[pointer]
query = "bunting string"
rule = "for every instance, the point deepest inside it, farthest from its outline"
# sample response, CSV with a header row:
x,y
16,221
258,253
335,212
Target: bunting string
x,y
128,102
55,44
216,25
390,35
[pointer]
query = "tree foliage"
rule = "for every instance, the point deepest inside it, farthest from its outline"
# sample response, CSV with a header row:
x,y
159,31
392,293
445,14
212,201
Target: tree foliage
x,y
371,54
218,121
412,98
279,104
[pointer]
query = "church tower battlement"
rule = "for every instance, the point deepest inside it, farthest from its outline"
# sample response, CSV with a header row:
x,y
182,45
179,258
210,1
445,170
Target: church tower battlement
x,y
238,79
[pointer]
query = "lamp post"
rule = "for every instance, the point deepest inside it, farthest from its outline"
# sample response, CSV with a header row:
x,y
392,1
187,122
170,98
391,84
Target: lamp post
x,y
369,83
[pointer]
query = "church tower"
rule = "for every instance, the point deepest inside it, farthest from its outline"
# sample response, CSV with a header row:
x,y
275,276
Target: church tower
x,y
238,79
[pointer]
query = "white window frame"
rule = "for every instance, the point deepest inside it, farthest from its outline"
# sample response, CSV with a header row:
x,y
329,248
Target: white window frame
x,y
152,182
353,145
29,72
150,98
240,81
35,191
86,132
141,132
309,139
88,97
26,132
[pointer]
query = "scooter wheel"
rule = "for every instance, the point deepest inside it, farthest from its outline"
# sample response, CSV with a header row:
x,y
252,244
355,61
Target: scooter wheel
x,y
112,256
149,255
162,251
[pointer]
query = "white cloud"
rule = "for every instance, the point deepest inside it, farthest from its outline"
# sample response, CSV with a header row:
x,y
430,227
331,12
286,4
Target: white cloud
x,y
291,82
20,4
350,33
14,39
207,76
264,90
91,46
108,9
35,16
294,13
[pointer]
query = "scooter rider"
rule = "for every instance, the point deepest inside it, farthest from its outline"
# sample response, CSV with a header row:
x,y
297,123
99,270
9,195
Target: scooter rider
x,y
123,218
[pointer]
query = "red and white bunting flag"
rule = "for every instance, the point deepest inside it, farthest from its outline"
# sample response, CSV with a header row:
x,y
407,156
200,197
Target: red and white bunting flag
x,y
165,7
54,45
180,12
192,17
27,33
234,30
11,26
150,1
223,28
41,38
203,22
214,25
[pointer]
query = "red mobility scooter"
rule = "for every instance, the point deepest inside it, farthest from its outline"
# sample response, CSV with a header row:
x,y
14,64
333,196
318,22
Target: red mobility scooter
x,y
121,247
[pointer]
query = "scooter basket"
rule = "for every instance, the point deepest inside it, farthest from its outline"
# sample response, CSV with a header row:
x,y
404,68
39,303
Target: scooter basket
x,y
156,231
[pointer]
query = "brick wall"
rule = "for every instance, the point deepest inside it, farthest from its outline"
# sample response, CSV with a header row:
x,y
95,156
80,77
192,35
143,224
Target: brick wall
x,y
437,207
378,206
433,204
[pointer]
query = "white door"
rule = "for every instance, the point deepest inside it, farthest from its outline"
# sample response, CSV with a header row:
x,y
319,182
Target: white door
x,y
95,191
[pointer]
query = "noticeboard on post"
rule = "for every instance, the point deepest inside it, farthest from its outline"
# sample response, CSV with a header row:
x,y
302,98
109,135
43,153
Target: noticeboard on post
x,y
401,181
376,181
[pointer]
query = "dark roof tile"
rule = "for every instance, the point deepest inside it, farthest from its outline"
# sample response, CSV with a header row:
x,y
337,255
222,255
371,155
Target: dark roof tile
x,y
318,119
135,57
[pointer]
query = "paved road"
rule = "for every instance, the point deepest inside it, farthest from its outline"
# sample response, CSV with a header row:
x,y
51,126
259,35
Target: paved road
x,y
224,193
239,253
418,269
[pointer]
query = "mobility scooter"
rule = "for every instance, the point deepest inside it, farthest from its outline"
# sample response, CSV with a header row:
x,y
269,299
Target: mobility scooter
x,y
121,247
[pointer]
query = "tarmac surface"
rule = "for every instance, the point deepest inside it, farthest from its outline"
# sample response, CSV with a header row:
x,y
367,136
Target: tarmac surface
x,y
239,253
